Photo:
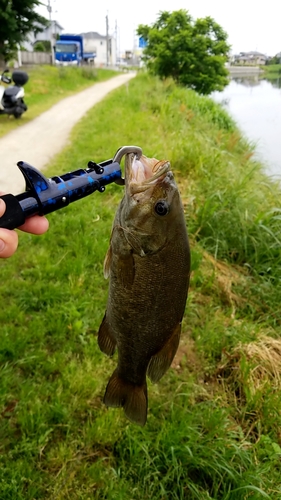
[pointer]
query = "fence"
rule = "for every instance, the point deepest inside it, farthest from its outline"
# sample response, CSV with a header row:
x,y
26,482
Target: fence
x,y
35,58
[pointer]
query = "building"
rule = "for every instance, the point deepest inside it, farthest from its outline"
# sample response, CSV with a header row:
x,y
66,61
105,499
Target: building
x,y
50,33
94,42
253,58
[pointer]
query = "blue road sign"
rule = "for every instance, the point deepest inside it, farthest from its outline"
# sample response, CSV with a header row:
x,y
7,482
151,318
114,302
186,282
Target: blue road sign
x,y
142,42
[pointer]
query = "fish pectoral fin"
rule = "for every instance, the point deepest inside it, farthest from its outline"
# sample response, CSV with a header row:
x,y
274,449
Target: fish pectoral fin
x,y
131,397
106,341
160,362
107,262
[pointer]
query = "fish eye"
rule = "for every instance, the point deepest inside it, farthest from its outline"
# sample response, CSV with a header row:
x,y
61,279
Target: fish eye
x,y
161,207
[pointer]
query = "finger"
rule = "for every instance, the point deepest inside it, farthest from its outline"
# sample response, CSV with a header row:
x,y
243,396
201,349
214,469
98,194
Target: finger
x,y
35,225
8,243
2,207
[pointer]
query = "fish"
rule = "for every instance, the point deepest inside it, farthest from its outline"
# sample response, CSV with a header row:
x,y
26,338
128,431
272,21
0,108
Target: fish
x,y
148,266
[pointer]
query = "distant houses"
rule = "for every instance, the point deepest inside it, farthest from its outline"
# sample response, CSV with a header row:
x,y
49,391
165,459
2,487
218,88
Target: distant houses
x,y
253,58
93,42
106,48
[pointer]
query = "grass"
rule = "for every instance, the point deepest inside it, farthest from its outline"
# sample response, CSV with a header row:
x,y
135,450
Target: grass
x,y
272,70
48,85
214,420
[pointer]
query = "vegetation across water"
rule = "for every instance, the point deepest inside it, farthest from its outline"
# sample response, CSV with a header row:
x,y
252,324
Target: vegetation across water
x,y
214,420
272,70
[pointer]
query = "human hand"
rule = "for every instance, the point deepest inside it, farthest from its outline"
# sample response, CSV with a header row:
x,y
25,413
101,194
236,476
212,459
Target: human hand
x,y
9,239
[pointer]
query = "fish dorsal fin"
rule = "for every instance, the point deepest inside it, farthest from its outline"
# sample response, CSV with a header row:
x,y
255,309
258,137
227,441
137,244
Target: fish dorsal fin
x,y
160,362
106,341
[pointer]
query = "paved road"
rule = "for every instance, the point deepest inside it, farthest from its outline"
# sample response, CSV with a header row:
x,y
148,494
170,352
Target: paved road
x,y
40,140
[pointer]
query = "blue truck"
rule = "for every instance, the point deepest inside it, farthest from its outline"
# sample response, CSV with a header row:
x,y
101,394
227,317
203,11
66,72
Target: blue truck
x,y
70,50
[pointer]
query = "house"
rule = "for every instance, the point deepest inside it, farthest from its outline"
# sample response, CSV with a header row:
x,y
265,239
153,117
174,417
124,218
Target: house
x,y
51,32
253,58
94,42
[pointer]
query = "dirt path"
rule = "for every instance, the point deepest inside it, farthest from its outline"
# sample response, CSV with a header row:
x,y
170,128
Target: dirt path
x,y
39,141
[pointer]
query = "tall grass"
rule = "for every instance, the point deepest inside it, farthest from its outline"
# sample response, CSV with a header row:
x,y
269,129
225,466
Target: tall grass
x,y
213,427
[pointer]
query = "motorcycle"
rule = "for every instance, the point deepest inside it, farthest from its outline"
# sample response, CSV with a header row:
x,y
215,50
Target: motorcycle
x,y
11,98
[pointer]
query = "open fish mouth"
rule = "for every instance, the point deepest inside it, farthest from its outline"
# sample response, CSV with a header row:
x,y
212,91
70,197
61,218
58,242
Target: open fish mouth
x,y
145,172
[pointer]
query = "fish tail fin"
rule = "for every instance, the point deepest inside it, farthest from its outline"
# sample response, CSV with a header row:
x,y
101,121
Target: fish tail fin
x,y
133,398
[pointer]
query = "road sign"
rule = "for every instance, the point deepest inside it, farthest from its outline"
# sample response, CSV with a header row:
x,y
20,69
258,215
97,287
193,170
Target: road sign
x,y
142,42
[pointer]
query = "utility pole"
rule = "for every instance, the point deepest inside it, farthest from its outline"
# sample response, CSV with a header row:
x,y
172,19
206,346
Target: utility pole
x,y
116,47
107,40
19,56
49,9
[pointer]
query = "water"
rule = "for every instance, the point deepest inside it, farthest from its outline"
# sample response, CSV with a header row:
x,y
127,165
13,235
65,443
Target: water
x,y
255,104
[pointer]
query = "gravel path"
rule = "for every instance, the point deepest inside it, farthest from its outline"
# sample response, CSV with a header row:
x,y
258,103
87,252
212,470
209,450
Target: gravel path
x,y
40,140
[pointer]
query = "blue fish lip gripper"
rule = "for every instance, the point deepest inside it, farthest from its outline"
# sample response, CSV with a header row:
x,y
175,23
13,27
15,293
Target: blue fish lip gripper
x,y
43,196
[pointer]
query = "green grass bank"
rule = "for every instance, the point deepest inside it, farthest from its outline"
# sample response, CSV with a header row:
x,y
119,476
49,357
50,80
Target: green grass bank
x,y
214,420
272,70
49,84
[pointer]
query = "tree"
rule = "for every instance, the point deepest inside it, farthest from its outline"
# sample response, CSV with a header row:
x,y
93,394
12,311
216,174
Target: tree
x,y
193,53
39,47
274,60
17,19
42,46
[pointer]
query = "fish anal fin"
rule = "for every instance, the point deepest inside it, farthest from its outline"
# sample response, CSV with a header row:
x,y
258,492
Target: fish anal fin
x,y
160,362
133,398
106,341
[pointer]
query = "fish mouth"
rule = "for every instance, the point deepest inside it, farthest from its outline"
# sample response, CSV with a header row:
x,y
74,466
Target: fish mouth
x,y
140,174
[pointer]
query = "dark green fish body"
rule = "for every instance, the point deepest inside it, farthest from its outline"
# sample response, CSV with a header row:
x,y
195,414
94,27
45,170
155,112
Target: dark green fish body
x,y
148,263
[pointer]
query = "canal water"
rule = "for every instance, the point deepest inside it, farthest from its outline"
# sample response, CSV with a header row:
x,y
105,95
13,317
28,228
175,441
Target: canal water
x,y
255,104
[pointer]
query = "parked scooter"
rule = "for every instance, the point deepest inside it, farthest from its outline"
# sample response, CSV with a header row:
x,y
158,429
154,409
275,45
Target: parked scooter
x,y
11,98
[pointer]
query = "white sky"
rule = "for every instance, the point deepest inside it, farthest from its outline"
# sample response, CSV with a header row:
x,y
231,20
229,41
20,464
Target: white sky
x,y
250,24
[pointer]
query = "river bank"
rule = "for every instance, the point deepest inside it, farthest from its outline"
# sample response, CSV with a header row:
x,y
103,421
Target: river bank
x,y
214,420
244,70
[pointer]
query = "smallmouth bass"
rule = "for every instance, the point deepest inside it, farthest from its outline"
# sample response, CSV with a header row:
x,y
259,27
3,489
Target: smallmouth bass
x,y
148,265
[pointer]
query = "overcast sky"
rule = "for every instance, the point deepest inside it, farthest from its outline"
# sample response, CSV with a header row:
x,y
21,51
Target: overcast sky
x,y
251,25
